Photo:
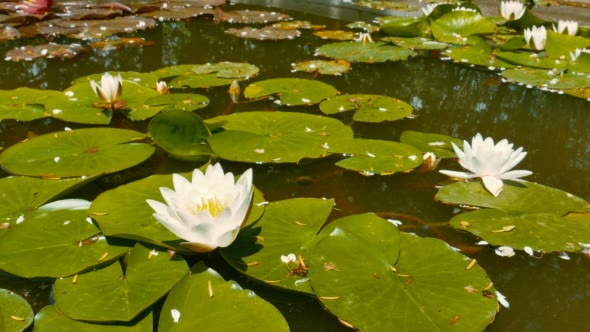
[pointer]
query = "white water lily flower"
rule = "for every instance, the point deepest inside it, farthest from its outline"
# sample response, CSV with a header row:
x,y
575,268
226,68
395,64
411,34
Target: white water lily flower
x,y
208,211
364,37
512,10
536,37
110,87
569,27
162,88
492,163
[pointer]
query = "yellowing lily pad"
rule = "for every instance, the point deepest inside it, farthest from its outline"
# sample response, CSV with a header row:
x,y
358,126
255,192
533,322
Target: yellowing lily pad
x,y
291,91
365,52
75,153
368,108
335,34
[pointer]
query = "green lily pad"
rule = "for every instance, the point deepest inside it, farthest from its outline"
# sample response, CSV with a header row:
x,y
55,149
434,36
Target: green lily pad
x,y
560,45
123,211
54,242
356,281
524,214
368,108
21,193
207,75
291,91
454,27
24,104
266,33
323,67
530,76
416,43
438,144
376,156
179,101
148,80
224,306
335,34
278,137
287,227
50,319
479,54
76,153
15,313
580,65
530,59
365,52
230,70
405,26
182,134
295,25
80,104
148,276
383,5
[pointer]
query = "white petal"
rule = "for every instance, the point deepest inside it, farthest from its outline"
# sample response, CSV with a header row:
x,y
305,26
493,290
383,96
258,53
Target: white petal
x,y
458,175
493,184
66,204
512,175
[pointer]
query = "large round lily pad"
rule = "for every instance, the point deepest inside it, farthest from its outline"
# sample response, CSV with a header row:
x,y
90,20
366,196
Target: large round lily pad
x,y
182,134
22,193
291,91
531,59
50,319
479,54
24,104
456,26
368,108
440,145
207,75
149,275
179,101
371,156
425,289
525,214
55,242
405,26
287,227
123,212
279,137
15,313
76,153
365,52
221,306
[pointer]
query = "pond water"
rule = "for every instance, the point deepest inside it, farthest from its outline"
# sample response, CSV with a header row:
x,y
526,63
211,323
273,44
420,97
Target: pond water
x,y
545,294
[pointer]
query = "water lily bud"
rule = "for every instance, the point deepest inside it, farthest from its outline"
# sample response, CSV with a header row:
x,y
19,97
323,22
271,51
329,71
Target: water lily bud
x,y
536,37
35,7
110,88
492,163
566,27
512,10
234,91
208,211
162,88
364,37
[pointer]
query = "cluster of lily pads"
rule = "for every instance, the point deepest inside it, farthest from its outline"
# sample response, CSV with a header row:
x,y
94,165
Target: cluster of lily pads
x,y
116,258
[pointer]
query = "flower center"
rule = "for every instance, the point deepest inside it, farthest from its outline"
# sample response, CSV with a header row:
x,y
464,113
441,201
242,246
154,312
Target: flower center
x,y
211,204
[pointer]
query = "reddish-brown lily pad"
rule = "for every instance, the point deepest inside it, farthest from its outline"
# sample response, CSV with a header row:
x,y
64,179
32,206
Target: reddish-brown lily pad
x,y
118,43
267,33
8,33
49,51
104,28
177,14
90,14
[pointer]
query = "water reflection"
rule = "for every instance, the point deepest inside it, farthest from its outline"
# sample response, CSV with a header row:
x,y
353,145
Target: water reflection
x,y
448,98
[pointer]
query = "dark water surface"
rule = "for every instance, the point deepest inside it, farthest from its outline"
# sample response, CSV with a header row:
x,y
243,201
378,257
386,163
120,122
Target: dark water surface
x,y
545,294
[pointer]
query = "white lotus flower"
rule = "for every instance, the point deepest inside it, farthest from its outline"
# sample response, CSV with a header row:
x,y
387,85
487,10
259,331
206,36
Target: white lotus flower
x,y
512,10
569,27
110,88
162,88
207,212
536,37
492,163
